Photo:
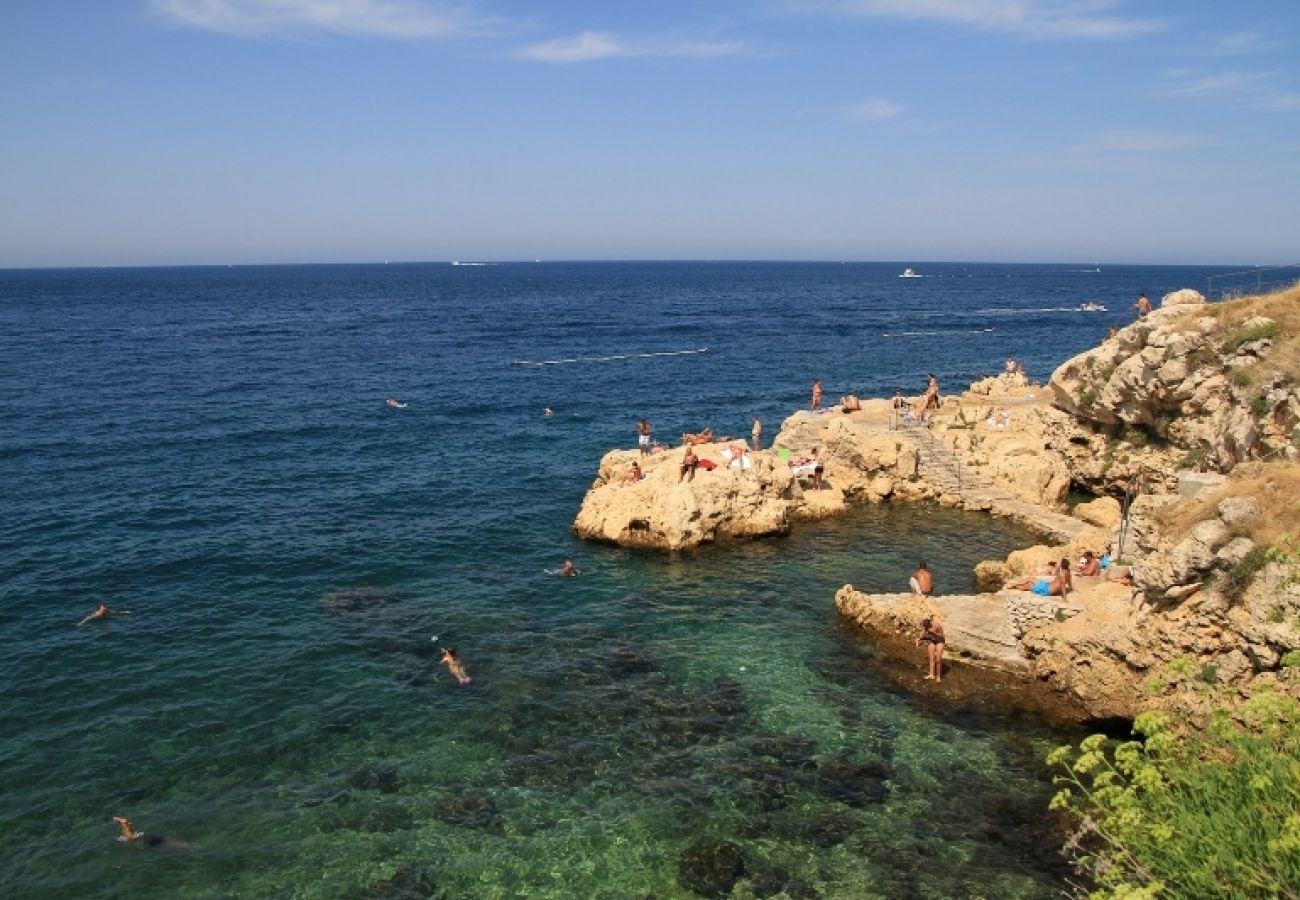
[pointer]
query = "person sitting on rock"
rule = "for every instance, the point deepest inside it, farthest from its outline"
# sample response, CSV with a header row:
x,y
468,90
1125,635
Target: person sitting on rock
x,y
634,474
921,582
1088,565
930,399
1063,583
900,402
850,403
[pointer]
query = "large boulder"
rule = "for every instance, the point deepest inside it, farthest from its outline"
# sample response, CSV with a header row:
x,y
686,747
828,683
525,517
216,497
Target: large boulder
x,y
664,513
1184,297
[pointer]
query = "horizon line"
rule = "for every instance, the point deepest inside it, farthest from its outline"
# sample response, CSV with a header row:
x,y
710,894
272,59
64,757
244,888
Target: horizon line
x,y
472,263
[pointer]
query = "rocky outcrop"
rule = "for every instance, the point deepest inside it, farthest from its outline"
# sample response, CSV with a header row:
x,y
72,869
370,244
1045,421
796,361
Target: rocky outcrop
x,y
662,512
1187,379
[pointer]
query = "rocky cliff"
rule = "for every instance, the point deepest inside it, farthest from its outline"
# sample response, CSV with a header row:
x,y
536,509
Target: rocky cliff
x,y
1189,385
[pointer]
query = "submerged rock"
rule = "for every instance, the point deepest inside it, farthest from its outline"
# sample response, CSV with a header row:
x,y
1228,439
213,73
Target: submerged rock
x,y
375,777
710,868
470,808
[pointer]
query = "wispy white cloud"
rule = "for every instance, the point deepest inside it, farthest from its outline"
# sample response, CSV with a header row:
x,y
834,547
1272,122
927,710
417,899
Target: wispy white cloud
x,y
368,18
1031,18
1139,141
1258,91
874,110
589,46
1247,40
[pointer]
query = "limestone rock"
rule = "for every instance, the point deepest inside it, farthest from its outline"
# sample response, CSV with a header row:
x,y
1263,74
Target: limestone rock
x,y
661,512
1234,551
1184,297
1103,512
1238,511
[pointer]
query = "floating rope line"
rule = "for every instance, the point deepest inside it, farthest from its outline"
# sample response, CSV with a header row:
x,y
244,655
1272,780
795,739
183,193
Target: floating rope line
x,y
586,359
929,333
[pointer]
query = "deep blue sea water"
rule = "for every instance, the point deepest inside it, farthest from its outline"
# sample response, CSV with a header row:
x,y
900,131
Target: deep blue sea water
x,y
209,448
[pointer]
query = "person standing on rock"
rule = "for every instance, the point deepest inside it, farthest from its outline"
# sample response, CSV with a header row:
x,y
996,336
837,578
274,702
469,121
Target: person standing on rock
x,y
816,394
757,434
922,581
689,462
643,436
1143,305
932,636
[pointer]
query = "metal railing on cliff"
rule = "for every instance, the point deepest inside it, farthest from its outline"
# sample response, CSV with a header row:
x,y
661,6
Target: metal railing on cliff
x,y
1251,281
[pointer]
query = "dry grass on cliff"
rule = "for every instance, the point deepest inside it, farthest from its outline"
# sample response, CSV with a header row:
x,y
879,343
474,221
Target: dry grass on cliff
x,y
1283,308
1275,486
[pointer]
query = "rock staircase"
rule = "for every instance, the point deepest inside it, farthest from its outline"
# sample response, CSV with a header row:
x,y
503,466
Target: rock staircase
x,y
940,465
944,469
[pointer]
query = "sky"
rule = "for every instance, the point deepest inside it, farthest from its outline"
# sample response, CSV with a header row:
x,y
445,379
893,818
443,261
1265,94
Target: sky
x,y
161,132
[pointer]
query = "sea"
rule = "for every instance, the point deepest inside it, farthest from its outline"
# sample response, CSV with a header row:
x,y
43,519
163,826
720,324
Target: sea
x,y
209,448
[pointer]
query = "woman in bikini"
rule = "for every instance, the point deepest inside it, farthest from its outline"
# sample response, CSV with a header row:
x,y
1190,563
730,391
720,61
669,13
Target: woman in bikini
x,y
932,636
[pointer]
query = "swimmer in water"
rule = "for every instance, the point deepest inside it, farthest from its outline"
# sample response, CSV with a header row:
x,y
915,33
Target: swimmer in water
x,y
455,666
138,838
102,612
547,411
394,403
568,570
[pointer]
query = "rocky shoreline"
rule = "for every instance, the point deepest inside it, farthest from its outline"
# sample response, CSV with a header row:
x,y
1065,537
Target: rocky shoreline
x,y
1192,404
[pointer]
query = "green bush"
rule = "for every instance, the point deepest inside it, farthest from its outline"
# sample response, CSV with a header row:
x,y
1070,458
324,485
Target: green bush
x,y
1239,577
1087,396
1136,436
1291,659
1247,335
1241,378
1260,405
1210,814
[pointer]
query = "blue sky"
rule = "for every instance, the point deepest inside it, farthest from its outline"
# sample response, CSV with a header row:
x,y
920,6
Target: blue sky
x,y
215,131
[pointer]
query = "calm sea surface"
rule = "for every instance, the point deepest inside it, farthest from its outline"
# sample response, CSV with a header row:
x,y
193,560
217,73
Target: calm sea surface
x,y
209,448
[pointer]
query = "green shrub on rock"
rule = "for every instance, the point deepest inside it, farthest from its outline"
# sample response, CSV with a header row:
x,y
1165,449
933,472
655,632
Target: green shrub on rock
x,y
1209,814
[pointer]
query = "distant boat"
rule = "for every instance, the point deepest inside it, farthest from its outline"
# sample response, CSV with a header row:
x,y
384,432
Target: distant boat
x,y
909,273
1091,306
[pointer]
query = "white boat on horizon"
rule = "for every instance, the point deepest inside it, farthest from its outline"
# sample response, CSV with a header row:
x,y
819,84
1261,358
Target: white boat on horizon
x,y
1091,306
910,273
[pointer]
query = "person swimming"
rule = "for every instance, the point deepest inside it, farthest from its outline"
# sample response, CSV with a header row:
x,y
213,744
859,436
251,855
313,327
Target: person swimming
x,y
394,403
138,838
568,570
102,612
455,666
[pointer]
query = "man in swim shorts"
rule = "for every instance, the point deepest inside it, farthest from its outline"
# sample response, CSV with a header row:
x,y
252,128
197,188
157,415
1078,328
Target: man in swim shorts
x,y
689,462
643,436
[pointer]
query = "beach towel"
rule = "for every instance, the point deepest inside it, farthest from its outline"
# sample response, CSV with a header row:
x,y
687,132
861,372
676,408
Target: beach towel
x,y
707,465
805,469
783,453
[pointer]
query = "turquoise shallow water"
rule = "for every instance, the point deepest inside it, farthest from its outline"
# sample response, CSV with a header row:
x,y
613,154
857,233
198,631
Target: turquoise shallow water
x,y
210,449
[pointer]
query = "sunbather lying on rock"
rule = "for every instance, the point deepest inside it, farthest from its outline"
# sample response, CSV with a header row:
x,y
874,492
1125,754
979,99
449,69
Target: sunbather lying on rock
x,y
1055,584
698,437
